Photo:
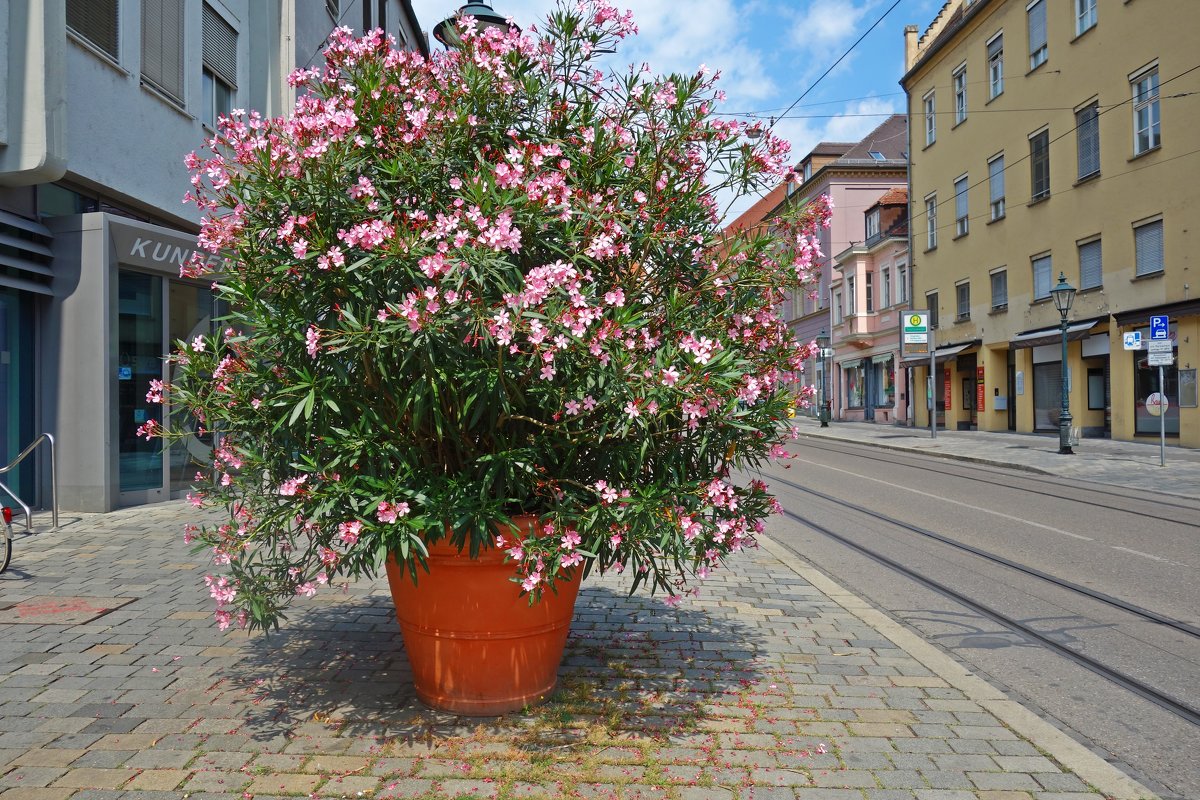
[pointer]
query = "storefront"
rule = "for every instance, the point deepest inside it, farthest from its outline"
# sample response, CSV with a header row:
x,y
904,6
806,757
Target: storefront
x,y
118,306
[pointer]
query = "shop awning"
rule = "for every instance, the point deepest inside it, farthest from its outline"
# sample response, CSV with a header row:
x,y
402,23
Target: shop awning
x,y
1076,330
941,354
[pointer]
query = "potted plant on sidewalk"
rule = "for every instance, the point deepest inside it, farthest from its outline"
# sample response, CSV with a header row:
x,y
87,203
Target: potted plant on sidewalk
x,y
481,310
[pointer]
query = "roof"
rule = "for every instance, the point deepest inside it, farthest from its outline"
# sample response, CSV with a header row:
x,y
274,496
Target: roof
x,y
890,139
959,16
760,210
829,149
896,196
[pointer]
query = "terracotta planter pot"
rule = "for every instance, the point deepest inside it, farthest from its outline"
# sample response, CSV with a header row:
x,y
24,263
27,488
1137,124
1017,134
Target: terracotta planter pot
x,y
476,646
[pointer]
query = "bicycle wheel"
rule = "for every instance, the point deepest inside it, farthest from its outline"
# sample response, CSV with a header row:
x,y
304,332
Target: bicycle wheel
x,y
6,554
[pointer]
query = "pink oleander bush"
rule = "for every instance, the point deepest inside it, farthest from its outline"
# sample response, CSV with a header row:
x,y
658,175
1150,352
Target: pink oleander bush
x,y
486,284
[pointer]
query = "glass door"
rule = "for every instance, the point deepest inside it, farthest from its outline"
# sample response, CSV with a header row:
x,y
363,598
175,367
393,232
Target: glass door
x,y
16,391
191,310
139,359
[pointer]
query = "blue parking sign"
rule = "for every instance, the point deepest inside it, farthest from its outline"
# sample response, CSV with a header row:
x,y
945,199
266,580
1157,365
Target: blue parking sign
x,y
1158,327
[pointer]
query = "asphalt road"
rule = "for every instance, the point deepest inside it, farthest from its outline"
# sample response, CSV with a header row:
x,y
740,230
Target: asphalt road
x,y
1131,547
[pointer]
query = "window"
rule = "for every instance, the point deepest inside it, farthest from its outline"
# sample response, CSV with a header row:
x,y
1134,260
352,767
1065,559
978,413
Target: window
x,y
851,299
885,293
1148,241
870,276
334,7
807,170
996,186
1039,164
872,224
901,284
962,295
960,94
220,67
930,119
96,22
162,47
931,220
961,218
378,19
1036,14
1042,267
1085,16
1091,267
853,370
837,308
1087,139
995,56
1146,134
999,280
931,303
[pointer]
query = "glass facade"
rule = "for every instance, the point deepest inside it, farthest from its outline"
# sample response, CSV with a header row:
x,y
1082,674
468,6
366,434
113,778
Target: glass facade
x,y
139,359
16,390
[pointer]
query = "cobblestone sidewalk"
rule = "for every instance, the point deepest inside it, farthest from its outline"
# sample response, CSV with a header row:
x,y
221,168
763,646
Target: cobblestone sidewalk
x,y
774,684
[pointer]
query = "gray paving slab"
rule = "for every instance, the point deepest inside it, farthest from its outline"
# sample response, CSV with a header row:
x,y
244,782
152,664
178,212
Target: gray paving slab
x,y
773,683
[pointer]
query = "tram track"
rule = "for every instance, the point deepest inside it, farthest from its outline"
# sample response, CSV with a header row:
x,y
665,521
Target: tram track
x,y
1119,678
1152,509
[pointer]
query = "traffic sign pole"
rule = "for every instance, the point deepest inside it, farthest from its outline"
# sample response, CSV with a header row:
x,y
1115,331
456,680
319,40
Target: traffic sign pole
x,y
932,383
1162,422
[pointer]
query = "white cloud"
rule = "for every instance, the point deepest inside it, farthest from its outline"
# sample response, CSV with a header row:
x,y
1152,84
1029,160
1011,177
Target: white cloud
x,y
828,23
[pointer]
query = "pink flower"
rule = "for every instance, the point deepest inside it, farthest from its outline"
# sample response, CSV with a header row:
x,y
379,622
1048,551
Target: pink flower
x,y
311,339
306,589
670,376
198,344
348,532
291,486
390,512
572,407
589,403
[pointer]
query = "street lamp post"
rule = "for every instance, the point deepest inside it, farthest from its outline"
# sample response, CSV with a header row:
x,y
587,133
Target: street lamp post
x,y
823,410
485,16
1064,295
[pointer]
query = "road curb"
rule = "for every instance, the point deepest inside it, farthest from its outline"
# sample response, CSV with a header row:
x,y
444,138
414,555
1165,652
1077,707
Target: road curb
x,y
935,453
1088,766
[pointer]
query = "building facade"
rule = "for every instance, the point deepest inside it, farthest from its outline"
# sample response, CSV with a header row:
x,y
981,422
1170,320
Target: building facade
x,y
870,287
855,176
1055,137
101,101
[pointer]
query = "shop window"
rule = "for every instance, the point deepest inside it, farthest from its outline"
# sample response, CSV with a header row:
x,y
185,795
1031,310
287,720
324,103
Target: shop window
x,y
1096,399
883,383
854,384
1047,396
1145,383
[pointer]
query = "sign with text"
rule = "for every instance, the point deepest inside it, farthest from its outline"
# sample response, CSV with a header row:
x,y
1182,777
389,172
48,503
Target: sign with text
x,y
1157,404
915,333
979,393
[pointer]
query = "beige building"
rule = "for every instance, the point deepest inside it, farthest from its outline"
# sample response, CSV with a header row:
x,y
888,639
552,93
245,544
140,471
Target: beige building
x,y
1056,136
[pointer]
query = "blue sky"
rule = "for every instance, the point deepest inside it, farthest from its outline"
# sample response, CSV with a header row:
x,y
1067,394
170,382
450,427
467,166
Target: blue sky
x,y
769,52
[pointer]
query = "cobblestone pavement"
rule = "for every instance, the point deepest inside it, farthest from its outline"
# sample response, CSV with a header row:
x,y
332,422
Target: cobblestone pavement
x,y
775,684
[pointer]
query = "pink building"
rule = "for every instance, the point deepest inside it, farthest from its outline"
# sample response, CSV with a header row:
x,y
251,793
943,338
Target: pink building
x,y
855,176
869,290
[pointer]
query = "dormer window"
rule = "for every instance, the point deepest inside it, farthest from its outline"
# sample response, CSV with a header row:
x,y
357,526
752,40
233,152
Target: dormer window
x,y
807,170
872,224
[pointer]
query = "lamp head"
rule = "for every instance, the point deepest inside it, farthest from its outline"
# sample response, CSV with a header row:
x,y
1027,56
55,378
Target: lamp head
x,y
1064,295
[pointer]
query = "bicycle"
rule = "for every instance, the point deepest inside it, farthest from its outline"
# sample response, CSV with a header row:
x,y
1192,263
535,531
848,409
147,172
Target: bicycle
x,y
6,556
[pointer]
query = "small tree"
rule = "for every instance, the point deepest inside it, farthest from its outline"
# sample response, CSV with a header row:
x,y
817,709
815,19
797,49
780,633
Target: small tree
x,y
481,285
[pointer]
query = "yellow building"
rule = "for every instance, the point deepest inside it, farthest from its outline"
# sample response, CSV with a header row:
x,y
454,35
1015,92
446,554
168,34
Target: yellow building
x,y
1048,137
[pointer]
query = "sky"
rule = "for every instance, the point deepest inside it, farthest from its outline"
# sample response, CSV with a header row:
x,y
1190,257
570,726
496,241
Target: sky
x,y
769,52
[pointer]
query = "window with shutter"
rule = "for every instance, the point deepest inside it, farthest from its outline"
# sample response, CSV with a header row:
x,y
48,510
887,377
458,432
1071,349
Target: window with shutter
x,y
1039,164
1087,139
995,54
1042,267
999,289
961,217
220,47
1148,241
1036,14
95,21
1091,266
162,46
996,186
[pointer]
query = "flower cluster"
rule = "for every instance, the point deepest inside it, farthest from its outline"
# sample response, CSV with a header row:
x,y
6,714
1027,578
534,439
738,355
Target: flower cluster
x,y
490,283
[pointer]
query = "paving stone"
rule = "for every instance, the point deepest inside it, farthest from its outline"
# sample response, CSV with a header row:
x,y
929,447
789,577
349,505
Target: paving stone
x,y
95,778
158,779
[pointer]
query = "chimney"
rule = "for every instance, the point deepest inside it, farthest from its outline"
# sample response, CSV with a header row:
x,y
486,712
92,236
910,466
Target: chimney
x,y
910,46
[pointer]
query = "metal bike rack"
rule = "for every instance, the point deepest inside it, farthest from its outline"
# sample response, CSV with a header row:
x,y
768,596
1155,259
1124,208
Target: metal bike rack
x,y
48,439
